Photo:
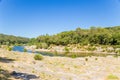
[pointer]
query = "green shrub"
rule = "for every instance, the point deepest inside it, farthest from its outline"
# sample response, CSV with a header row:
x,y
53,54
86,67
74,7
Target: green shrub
x,y
96,58
73,56
104,50
9,49
116,56
116,46
86,59
111,76
44,45
118,52
38,57
91,48
66,49
25,50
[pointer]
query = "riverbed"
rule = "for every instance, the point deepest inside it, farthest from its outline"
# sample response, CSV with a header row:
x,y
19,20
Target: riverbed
x,y
59,68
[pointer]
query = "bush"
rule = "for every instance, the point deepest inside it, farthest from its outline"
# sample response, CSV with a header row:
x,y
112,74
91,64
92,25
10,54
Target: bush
x,y
38,57
111,76
73,56
44,45
91,48
86,59
9,49
96,58
25,50
66,49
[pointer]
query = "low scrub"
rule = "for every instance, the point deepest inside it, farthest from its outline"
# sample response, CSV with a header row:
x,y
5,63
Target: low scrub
x,y
91,48
38,57
25,50
96,58
112,77
66,49
86,59
9,49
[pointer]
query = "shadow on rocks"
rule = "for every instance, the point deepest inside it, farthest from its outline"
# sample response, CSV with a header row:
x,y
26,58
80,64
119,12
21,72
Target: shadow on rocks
x,y
4,74
6,60
23,76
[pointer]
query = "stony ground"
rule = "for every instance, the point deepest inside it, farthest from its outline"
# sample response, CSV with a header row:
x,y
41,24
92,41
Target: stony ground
x,y
57,68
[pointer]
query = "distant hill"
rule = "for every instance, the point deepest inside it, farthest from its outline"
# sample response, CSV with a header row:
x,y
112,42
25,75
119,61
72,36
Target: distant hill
x,y
10,39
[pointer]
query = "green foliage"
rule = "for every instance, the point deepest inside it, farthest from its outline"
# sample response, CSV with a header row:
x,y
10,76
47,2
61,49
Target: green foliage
x,y
12,40
92,36
9,49
25,50
38,57
32,41
90,48
42,45
73,56
111,76
6,47
66,49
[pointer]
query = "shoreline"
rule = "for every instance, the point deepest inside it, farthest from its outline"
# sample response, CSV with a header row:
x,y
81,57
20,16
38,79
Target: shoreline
x,y
63,51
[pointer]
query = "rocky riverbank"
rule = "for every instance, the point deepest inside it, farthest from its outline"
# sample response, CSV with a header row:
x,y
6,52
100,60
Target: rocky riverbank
x,y
77,49
22,66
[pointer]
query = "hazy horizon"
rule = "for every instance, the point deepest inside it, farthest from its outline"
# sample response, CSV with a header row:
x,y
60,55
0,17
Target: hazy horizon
x,y
31,18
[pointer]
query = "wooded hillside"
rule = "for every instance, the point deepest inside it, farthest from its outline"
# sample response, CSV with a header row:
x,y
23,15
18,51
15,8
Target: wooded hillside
x,y
10,39
93,36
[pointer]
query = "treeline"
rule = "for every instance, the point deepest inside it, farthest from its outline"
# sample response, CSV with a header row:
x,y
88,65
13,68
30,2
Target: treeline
x,y
92,36
12,40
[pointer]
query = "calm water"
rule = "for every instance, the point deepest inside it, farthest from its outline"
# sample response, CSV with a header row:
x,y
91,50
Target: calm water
x,y
18,48
73,55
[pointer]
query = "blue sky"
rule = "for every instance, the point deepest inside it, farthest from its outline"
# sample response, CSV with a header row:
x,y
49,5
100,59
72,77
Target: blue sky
x,y
31,18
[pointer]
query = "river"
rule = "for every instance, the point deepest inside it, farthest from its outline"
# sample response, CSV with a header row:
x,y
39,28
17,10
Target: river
x,y
73,55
